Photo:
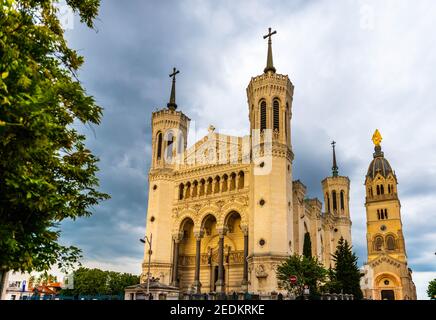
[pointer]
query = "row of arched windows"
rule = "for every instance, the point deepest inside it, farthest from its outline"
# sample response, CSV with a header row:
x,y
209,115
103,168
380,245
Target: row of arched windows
x,y
211,185
388,243
380,190
275,113
382,214
335,200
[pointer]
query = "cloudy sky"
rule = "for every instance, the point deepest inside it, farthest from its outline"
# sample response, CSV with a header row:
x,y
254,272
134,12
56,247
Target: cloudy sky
x,y
356,66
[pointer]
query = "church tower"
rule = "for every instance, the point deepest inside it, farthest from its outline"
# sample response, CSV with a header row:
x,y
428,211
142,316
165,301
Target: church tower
x,y
169,141
387,259
336,190
270,223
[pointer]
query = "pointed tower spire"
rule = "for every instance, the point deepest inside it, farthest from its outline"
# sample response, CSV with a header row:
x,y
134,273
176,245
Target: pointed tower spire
x,y
172,104
269,60
335,165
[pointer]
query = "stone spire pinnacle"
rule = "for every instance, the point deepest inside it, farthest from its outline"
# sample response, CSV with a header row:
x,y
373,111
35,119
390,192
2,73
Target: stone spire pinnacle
x,y
269,60
335,165
172,104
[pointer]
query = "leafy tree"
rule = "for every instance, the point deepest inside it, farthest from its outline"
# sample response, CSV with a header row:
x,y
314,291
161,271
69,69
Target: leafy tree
x,y
431,290
346,275
307,245
46,172
96,281
119,281
44,279
330,285
309,271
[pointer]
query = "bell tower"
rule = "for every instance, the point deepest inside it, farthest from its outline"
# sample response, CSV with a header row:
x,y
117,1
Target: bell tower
x,y
387,259
383,207
336,190
270,227
169,141
270,101
170,131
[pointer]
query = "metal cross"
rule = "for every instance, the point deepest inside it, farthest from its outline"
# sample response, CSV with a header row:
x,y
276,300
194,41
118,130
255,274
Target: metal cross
x,y
333,143
173,75
269,34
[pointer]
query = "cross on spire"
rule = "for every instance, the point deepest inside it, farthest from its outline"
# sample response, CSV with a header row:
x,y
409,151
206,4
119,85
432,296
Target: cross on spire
x,y
172,104
269,60
335,165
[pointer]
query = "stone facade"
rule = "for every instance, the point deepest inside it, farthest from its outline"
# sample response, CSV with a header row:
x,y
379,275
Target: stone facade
x,y
225,212
387,275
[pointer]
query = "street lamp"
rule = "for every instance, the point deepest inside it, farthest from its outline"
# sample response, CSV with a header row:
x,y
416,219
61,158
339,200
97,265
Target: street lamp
x,y
148,241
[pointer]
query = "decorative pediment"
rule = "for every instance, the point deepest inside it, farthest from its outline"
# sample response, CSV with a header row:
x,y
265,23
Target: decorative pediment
x,y
384,258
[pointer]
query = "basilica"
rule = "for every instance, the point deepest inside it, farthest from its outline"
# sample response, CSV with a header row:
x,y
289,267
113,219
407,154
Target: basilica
x,y
225,212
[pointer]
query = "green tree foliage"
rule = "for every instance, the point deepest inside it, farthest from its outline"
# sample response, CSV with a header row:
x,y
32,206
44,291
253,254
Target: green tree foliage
x,y
44,279
346,275
98,282
307,245
46,172
431,290
309,271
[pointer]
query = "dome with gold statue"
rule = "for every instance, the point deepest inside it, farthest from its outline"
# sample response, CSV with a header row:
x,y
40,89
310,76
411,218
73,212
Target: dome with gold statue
x,y
379,164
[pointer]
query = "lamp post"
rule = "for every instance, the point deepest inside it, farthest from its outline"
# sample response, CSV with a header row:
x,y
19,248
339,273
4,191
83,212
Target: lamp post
x,y
149,242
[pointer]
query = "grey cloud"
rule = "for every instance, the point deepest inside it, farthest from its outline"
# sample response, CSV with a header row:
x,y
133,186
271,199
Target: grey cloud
x,y
348,81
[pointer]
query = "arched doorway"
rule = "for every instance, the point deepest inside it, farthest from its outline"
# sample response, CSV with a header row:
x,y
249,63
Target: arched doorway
x,y
233,252
387,295
186,254
387,287
209,248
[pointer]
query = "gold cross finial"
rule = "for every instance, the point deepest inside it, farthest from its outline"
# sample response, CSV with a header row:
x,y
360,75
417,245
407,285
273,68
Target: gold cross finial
x,y
377,138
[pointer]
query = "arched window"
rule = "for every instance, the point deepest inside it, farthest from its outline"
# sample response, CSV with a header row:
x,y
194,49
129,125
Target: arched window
x,y
342,200
180,142
217,185
262,115
390,242
276,114
378,243
241,180
232,181
378,190
194,188
335,205
389,188
202,184
209,186
159,145
286,120
188,190
225,183
378,214
181,188
170,143
328,202
386,213
382,190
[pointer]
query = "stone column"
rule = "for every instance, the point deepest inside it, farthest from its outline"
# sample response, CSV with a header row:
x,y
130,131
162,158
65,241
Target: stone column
x,y
245,272
175,280
220,282
197,283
